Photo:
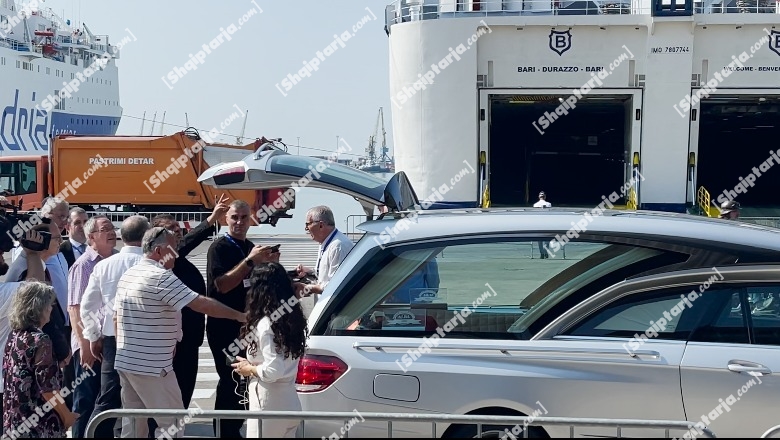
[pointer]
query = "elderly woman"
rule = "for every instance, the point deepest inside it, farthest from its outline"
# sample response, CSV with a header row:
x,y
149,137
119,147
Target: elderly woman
x,y
32,404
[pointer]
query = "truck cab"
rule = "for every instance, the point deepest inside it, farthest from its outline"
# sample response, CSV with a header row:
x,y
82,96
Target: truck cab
x,y
24,178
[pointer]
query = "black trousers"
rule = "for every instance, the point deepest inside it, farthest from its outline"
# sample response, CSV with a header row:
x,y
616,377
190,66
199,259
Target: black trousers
x,y
69,372
110,396
220,335
85,393
185,361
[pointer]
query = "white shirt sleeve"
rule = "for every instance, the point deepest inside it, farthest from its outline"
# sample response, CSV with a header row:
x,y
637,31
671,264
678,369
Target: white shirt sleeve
x,y
272,368
18,267
91,308
174,293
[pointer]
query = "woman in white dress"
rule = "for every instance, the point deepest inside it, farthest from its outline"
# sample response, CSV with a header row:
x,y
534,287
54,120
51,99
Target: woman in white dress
x,y
275,342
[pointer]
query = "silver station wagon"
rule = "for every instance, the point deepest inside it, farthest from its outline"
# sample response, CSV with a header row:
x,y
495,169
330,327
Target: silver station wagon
x,y
631,315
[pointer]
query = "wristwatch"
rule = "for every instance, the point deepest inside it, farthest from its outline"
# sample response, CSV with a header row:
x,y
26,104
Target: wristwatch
x,y
249,263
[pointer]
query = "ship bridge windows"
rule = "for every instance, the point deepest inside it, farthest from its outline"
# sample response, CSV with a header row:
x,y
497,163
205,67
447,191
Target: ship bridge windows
x,y
575,159
736,135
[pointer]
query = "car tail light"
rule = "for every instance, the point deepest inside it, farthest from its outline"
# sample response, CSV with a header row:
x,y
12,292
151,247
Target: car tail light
x,y
230,175
316,373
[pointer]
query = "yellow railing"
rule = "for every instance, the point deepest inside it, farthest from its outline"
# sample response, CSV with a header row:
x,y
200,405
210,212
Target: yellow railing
x,y
703,197
631,201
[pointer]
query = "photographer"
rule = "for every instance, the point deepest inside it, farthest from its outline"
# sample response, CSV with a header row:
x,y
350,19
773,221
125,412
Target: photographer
x,y
8,290
18,272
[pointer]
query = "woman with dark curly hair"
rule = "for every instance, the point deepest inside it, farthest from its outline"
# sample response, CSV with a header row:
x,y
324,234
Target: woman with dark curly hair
x,y
275,333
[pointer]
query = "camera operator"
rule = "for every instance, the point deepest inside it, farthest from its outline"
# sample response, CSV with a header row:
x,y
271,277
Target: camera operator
x,y
18,271
8,289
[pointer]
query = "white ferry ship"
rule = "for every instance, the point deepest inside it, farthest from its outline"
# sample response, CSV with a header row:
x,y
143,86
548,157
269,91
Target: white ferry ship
x,y
40,55
493,83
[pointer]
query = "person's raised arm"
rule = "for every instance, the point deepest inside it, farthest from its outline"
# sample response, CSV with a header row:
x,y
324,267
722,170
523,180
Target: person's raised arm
x,y
205,229
235,276
36,268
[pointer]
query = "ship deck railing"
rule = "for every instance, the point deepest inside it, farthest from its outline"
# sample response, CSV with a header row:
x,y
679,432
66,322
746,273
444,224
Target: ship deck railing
x,y
401,11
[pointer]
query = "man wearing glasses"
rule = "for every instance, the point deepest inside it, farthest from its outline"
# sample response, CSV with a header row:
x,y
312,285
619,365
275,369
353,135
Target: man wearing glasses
x,y
334,247
102,244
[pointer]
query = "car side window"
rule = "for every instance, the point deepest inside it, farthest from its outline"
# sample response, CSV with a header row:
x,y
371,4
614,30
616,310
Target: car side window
x,y
725,323
479,289
764,305
662,314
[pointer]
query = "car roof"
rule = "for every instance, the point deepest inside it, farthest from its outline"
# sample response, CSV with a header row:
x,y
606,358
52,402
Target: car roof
x,y
427,224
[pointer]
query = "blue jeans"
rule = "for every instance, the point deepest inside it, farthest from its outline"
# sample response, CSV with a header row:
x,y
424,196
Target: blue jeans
x,y
84,394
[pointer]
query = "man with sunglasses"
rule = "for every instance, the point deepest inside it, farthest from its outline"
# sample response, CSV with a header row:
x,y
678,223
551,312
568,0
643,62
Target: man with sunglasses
x,y
193,324
334,247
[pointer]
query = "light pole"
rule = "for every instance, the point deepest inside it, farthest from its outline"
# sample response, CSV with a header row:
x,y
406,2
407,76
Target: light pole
x,y
299,145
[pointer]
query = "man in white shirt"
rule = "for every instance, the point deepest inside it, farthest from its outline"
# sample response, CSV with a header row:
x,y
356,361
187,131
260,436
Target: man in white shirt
x,y
334,247
7,290
542,203
149,293
97,317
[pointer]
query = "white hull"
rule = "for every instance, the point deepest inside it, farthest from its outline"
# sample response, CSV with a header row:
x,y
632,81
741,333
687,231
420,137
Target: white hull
x,y
435,129
30,79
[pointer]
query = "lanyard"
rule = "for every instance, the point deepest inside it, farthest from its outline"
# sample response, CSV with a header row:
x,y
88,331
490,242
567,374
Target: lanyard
x,y
324,247
230,239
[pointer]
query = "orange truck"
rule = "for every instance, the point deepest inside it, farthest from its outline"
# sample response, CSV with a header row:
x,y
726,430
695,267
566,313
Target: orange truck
x,y
129,174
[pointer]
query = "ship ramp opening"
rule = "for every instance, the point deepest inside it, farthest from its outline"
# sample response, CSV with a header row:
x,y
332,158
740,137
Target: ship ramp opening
x,y
736,134
575,159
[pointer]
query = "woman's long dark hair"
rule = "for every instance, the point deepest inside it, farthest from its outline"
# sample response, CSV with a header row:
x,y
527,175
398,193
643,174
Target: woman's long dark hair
x,y
271,286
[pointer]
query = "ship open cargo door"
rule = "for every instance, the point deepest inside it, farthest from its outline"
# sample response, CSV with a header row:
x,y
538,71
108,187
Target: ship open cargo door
x,y
575,157
735,132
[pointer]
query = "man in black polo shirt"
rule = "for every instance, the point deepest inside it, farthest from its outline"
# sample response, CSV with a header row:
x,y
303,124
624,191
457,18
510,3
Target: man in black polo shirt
x,y
229,264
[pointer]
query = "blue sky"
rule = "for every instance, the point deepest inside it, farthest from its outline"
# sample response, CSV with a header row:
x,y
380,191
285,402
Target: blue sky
x,y
341,99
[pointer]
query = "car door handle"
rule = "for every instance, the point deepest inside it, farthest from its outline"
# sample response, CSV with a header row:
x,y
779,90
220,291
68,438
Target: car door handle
x,y
748,367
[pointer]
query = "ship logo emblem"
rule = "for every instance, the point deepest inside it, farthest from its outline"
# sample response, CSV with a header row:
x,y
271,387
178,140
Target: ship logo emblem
x,y
560,42
774,42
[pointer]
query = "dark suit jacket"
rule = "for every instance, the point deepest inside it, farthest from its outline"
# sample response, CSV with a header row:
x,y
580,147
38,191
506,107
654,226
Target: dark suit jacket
x,y
193,323
67,251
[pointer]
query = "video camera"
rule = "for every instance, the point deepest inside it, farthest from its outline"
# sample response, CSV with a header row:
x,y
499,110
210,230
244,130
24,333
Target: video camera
x,y
14,225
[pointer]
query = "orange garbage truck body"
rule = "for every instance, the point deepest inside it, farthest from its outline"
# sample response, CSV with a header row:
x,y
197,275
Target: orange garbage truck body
x,y
129,173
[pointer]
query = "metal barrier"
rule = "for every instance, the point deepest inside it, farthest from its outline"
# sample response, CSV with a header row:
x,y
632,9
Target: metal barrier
x,y
771,431
619,424
353,221
117,217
